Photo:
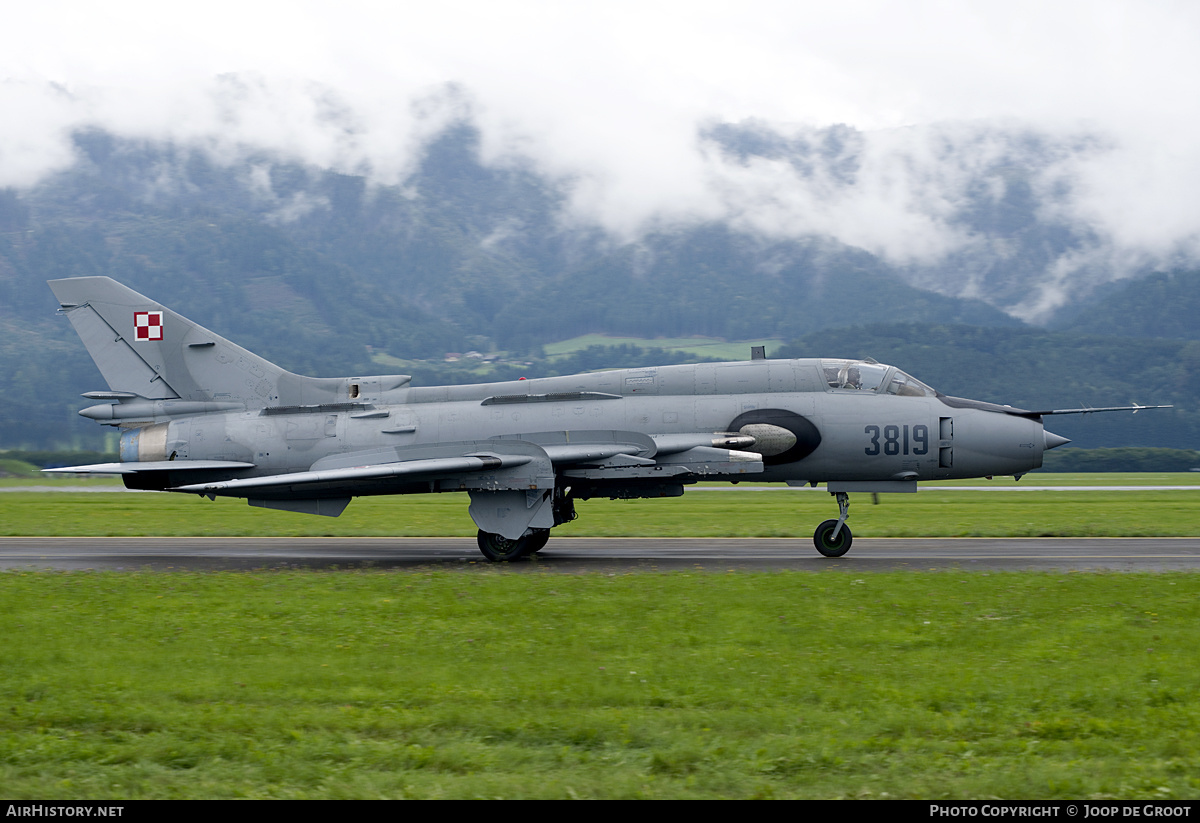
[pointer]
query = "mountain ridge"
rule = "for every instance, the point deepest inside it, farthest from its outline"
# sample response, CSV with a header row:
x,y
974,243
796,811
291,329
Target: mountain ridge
x,y
319,271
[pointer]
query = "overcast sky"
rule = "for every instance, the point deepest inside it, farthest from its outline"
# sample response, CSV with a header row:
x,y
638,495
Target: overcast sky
x,y
612,94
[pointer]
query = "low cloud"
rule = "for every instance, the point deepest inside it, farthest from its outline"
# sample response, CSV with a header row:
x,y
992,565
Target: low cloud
x,y
1095,102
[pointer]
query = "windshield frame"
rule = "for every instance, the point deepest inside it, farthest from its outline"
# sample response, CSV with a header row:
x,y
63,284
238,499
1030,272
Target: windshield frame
x,y
871,377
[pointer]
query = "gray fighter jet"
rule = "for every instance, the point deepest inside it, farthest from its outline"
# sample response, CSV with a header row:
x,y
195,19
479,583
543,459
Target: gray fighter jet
x,y
200,414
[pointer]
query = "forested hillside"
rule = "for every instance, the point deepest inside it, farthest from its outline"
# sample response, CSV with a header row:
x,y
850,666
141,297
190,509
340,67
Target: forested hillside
x,y
1036,369
324,274
1161,305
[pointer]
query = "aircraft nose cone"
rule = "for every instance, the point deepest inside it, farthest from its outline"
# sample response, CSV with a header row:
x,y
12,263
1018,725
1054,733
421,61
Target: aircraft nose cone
x,y
1053,441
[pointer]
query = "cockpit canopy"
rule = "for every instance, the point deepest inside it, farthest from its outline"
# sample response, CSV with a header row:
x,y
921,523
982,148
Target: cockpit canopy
x,y
869,376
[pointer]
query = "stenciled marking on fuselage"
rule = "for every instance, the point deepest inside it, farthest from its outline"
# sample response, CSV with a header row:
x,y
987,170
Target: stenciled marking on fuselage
x,y
896,440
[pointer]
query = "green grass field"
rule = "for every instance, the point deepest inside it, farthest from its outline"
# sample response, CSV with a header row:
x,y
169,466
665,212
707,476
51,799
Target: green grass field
x,y
698,346
701,346
489,683
17,469
443,684
936,510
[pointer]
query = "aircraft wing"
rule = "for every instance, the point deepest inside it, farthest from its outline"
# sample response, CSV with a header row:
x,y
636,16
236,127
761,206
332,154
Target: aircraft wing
x,y
406,468
152,466
590,454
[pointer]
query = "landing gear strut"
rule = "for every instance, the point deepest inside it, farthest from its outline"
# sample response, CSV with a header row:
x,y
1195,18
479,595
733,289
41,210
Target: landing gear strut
x,y
833,538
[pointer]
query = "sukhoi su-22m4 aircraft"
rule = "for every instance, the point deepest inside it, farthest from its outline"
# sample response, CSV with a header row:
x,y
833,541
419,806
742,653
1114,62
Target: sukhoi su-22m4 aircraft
x,y
202,415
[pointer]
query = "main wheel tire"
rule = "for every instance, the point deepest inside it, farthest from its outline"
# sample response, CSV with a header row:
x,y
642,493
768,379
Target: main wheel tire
x,y
537,540
822,538
500,549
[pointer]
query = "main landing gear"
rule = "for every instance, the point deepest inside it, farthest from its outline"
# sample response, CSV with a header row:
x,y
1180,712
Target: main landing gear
x,y
833,537
499,549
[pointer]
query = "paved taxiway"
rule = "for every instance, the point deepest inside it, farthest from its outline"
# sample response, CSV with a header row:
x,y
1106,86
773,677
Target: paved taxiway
x,y
587,554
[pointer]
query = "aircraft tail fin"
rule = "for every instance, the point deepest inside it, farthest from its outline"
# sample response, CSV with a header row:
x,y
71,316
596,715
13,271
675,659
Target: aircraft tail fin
x,y
143,348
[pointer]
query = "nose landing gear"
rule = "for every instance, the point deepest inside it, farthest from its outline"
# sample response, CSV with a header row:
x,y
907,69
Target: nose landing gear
x,y
833,538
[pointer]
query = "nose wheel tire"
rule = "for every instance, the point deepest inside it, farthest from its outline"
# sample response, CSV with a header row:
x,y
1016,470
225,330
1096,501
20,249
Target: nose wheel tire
x,y
500,549
827,545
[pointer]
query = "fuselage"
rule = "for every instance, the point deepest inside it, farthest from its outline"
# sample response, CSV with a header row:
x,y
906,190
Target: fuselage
x,y
854,421
201,415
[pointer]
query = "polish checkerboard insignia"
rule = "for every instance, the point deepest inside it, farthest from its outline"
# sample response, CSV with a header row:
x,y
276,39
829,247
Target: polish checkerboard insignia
x,y
147,325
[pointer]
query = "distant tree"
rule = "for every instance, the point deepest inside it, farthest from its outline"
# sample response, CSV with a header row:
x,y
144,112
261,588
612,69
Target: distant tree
x,y
1121,460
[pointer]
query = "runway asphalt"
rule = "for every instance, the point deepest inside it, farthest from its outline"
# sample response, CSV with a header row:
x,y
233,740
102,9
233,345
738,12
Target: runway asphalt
x,y
607,555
